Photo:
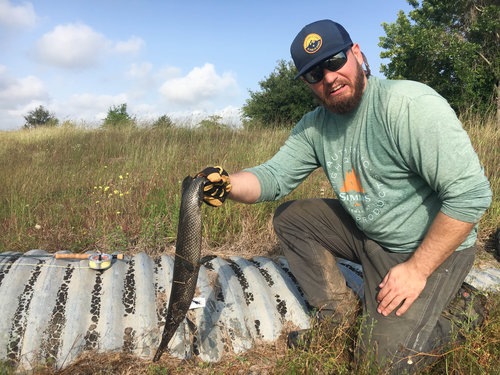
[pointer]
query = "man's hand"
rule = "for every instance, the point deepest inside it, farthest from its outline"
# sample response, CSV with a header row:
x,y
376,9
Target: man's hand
x,y
403,282
406,281
217,187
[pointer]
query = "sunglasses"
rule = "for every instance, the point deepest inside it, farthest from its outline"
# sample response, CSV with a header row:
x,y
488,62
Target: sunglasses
x,y
334,63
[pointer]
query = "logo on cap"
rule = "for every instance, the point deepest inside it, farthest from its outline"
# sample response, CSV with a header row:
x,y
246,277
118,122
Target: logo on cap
x,y
312,43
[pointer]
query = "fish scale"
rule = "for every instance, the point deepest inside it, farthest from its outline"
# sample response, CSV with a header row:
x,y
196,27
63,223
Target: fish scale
x,y
187,259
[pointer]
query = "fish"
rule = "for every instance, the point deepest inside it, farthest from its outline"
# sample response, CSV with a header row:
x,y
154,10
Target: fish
x,y
187,259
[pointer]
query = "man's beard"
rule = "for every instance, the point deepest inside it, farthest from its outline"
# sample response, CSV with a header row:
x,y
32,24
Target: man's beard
x,y
341,105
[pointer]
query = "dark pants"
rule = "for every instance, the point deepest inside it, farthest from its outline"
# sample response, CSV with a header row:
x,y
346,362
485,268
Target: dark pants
x,y
314,232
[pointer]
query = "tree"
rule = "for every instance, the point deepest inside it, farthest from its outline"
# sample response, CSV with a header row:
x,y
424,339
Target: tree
x,y
118,117
163,122
282,100
40,117
212,122
453,46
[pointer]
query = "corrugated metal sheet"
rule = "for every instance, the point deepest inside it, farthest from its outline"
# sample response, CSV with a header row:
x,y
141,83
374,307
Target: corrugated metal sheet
x,y
55,309
487,279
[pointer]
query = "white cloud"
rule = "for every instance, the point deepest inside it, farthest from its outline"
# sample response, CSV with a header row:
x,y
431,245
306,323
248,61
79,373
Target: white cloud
x,y
22,90
89,107
134,44
77,45
198,94
168,72
17,17
71,46
18,96
200,85
16,92
229,116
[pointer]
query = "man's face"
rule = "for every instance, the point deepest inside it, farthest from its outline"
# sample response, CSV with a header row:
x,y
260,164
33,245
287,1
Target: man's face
x,y
341,91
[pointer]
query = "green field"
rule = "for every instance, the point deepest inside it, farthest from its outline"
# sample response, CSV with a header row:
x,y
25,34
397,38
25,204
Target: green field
x,y
86,189
78,189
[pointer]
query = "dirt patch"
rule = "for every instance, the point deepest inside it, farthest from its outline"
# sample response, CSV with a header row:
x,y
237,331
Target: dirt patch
x,y
262,360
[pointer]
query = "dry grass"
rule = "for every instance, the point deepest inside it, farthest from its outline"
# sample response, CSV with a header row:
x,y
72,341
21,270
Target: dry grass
x,y
80,189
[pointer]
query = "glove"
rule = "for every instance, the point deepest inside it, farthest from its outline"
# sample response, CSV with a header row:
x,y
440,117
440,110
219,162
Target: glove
x,y
217,187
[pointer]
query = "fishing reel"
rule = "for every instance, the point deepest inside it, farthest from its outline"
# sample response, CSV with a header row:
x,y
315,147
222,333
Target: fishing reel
x,y
100,261
97,261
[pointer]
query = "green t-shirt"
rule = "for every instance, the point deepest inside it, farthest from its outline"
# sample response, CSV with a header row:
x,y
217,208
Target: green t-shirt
x,y
394,163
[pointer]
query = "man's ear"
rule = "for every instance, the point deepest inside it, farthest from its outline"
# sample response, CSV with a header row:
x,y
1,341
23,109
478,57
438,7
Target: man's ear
x,y
356,51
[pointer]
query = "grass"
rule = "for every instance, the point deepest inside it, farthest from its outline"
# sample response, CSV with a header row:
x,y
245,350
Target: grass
x,y
333,348
78,189
118,190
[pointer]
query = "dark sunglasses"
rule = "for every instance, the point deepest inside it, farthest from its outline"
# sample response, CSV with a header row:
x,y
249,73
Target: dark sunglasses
x,y
334,63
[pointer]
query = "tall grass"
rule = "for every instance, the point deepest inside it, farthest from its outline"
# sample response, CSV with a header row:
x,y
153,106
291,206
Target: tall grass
x,y
332,351
78,189
82,189
485,137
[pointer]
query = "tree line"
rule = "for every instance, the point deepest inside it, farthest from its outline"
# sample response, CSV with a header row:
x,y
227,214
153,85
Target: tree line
x,y
117,117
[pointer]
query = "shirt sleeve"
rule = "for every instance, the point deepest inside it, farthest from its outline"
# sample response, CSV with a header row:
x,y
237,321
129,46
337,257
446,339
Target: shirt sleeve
x,y
291,165
437,148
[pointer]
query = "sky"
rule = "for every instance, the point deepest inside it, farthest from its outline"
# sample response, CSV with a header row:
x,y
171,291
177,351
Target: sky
x,y
186,59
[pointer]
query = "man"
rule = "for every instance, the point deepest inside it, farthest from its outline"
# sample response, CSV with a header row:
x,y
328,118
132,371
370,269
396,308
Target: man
x,y
410,191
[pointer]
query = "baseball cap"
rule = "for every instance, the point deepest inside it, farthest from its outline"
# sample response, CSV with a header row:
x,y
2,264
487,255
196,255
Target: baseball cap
x,y
316,42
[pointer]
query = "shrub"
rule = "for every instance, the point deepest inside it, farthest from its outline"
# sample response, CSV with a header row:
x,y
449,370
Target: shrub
x,y
163,122
118,117
40,117
282,101
212,122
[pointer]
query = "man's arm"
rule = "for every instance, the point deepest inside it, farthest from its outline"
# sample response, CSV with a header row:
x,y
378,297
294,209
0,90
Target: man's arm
x,y
406,281
245,187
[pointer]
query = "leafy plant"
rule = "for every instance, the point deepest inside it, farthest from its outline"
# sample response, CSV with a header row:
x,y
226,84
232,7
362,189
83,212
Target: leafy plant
x,y
40,117
163,122
451,46
282,101
118,117
212,122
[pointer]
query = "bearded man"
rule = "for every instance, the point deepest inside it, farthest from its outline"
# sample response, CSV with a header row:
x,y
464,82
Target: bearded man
x,y
410,191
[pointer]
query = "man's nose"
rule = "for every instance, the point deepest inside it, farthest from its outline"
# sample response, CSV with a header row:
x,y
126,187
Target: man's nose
x,y
329,76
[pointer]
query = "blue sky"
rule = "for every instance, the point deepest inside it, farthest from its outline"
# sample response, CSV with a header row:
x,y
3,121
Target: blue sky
x,y
187,59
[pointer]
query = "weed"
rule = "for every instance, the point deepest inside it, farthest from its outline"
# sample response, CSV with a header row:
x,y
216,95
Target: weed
x,y
157,370
121,187
6,368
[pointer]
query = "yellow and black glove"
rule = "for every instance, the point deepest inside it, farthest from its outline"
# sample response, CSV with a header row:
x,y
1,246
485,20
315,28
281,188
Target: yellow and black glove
x,y
217,187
